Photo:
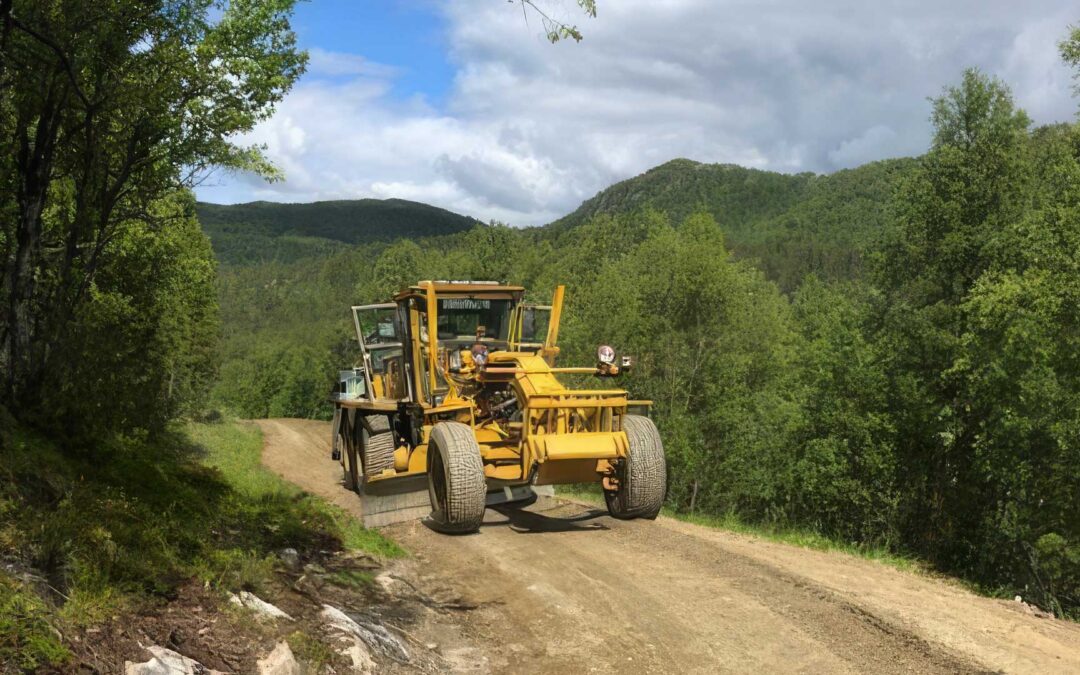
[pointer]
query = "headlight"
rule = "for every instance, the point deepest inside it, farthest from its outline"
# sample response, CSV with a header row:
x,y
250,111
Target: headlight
x,y
606,354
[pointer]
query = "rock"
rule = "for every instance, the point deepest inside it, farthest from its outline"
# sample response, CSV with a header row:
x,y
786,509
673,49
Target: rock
x,y
372,635
386,582
309,584
279,662
262,609
167,662
1018,599
358,654
290,557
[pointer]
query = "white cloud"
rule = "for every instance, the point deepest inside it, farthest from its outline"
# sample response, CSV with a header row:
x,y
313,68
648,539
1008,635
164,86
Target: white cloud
x,y
323,63
531,129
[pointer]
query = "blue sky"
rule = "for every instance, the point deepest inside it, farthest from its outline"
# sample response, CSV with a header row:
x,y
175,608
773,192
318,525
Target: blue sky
x,y
410,36
464,104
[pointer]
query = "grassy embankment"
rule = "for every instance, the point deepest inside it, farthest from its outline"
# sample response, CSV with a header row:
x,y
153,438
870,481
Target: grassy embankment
x,y
90,534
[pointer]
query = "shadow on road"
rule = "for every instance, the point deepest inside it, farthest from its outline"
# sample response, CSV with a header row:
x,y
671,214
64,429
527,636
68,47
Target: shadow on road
x,y
531,522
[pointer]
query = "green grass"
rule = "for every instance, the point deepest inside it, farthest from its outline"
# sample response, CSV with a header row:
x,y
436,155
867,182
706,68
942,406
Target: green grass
x,y
111,525
235,448
351,578
786,535
802,538
311,651
27,638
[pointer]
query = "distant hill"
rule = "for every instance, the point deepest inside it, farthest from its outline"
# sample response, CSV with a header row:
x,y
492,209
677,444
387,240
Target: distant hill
x,y
680,187
265,231
792,223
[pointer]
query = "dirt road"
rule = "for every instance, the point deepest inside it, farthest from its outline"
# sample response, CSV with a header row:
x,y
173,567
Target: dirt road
x,y
564,588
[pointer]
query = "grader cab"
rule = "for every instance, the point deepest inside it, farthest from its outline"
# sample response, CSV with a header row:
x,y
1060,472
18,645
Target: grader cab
x,y
456,405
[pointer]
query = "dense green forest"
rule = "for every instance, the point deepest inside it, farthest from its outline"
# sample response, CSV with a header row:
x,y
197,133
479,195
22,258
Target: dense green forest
x,y
885,355
263,231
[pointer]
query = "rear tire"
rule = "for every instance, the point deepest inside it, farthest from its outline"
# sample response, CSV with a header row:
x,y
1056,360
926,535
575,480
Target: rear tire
x,y
377,442
456,483
643,482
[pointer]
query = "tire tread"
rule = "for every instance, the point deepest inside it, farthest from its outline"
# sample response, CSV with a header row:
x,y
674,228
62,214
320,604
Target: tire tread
x,y
466,491
645,477
377,444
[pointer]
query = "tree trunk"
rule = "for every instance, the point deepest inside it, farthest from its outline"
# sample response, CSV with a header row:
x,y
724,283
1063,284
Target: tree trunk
x,y
20,280
24,354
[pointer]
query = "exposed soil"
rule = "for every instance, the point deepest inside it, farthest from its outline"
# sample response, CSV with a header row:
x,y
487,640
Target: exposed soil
x,y
562,587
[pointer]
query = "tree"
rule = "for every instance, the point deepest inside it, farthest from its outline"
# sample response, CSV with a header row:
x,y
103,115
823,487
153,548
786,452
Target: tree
x,y
845,464
973,183
713,343
1070,53
108,108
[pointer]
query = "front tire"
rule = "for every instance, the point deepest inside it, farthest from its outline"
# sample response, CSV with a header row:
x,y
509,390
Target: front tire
x,y
456,483
643,482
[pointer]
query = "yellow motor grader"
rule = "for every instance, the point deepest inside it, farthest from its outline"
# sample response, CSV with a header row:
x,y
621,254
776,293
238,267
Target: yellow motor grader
x,y
456,405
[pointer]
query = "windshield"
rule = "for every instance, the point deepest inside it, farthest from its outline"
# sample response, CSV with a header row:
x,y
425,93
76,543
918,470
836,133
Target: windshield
x,y
459,318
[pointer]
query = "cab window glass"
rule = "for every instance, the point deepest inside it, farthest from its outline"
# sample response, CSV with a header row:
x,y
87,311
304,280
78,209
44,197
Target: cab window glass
x,y
460,317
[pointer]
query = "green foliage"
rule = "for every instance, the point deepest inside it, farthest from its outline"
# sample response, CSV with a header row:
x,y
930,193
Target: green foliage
x,y
351,578
27,640
979,335
235,569
108,112
145,340
845,468
713,346
1070,52
555,29
279,380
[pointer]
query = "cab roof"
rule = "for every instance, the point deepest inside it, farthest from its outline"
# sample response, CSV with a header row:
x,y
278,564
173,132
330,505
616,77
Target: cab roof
x,y
450,288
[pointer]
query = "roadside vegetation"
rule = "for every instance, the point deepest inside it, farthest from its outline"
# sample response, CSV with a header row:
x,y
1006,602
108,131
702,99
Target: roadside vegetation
x,y
120,526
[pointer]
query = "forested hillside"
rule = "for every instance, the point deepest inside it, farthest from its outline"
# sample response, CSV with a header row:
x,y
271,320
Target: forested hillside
x,y
886,355
792,224
264,231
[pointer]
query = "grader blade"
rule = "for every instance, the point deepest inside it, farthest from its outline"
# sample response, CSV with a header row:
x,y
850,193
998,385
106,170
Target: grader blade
x,y
400,500
397,500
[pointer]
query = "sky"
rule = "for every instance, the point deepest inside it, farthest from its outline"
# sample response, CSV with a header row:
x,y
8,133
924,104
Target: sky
x,y
465,105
